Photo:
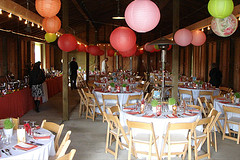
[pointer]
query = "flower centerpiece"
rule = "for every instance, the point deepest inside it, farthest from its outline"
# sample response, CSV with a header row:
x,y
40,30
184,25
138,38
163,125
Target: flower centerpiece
x,y
154,104
237,97
8,127
171,103
112,86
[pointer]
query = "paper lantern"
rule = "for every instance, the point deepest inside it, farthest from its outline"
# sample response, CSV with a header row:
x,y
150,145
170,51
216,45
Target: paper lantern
x,y
149,48
48,8
123,38
67,42
50,37
110,52
142,15
101,53
169,47
224,27
51,25
81,48
220,8
183,37
199,38
129,53
93,50
139,52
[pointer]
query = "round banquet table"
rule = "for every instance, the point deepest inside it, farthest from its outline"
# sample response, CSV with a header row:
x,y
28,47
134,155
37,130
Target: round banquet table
x,y
39,153
195,93
160,124
122,97
133,84
218,105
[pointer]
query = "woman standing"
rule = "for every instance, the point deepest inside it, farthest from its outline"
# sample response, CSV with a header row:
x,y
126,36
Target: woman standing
x,y
36,78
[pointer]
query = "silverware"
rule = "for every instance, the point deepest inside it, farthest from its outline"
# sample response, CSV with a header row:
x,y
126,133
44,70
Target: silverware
x,y
7,150
38,144
4,152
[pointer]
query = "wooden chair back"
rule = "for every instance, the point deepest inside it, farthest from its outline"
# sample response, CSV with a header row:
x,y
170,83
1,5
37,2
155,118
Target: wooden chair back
x,y
92,103
134,98
114,110
205,93
188,92
68,156
64,145
113,99
201,101
53,127
83,103
213,97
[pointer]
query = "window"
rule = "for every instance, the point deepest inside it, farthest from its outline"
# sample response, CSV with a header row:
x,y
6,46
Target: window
x,y
37,52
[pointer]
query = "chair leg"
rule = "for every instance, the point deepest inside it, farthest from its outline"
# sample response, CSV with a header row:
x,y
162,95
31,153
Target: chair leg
x,y
189,147
150,149
80,109
130,146
215,140
238,134
195,149
208,146
107,139
117,143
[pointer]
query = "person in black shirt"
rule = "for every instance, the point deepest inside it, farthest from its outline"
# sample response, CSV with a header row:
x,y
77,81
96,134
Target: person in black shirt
x,y
36,78
73,66
215,76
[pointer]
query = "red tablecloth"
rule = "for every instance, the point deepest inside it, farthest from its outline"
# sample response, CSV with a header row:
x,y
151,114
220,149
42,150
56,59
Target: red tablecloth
x,y
16,104
54,86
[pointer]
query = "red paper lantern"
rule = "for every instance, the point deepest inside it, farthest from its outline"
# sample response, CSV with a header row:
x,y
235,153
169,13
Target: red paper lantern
x,y
199,38
48,8
122,39
139,52
101,53
183,37
51,25
81,48
110,52
67,42
149,48
129,53
93,50
169,47
142,15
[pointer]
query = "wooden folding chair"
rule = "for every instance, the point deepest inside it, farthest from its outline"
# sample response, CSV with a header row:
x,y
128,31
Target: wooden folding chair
x,y
114,110
92,103
188,92
200,137
148,96
224,90
109,101
53,127
213,127
132,98
213,97
82,104
68,156
205,93
64,145
171,138
201,101
142,138
115,129
234,119
200,108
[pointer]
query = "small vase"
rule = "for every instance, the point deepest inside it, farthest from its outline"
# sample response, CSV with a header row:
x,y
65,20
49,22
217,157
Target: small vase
x,y
170,107
8,131
124,89
154,109
237,100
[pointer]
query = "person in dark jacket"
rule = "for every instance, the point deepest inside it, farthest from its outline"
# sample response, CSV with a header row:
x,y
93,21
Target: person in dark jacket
x,y
215,76
73,66
36,78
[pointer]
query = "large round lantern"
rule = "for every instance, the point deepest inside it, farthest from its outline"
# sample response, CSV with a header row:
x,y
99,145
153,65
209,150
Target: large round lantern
x,y
199,38
48,8
50,37
220,8
101,53
129,53
51,25
93,50
122,38
81,48
183,37
110,52
67,42
142,15
149,48
224,27
139,52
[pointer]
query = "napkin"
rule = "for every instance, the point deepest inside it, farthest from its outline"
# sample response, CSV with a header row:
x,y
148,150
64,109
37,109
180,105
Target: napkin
x,y
225,102
41,135
172,116
128,108
25,146
193,110
190,114
220,98
149,115
133,112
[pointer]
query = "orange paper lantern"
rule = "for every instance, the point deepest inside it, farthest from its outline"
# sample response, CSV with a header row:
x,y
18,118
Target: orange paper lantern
x,y
51,25
48,8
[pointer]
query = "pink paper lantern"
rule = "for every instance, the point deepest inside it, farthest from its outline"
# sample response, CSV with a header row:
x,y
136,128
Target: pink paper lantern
x,y
142,15
67,42
149,48
122,39
183,37
199,38
129,53
93,50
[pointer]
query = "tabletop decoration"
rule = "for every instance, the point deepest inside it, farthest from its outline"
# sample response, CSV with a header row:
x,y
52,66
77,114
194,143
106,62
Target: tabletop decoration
x,y
8,127
236,97
112,87
124,87
171,102
154,104
142,107
21,135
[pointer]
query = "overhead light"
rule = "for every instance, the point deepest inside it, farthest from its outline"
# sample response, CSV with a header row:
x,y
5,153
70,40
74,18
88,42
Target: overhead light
x,y
10,15
20,18
118,16
0,11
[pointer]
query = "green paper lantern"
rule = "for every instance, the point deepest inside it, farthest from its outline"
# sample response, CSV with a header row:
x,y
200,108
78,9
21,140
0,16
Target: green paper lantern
x,y
156,47
220,8
50,37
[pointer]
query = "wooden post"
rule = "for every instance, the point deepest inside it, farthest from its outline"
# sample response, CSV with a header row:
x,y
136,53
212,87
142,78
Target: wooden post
x,y
175,57
65,64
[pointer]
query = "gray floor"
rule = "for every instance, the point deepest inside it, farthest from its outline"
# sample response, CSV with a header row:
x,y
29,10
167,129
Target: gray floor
x,y
88,137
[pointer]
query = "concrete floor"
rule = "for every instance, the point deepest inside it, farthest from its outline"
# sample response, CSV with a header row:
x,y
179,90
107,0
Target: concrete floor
x,y
88,137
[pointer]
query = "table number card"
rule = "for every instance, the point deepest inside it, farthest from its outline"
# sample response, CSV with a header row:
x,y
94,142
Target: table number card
x,y
21,135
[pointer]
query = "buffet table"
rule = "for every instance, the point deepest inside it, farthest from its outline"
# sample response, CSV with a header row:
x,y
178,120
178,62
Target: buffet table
x,y
54,86
39,153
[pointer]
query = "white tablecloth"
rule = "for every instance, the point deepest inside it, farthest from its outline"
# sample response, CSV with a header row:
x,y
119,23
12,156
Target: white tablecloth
x,y
122,97
195,93
160,126
38,153
218,105
133,85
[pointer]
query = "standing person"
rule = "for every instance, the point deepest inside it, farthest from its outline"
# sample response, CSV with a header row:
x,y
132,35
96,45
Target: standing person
x,y
104,65
73,66
36,78
215,76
